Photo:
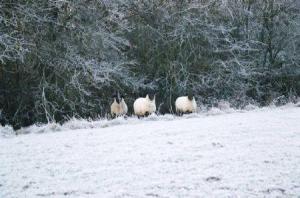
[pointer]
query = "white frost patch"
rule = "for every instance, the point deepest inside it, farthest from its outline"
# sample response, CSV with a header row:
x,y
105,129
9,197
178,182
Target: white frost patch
x,y
40,128
6,131
250,107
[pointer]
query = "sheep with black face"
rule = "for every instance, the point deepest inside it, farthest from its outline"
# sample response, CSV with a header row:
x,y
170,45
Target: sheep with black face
x,y
144,106
186,104
118,107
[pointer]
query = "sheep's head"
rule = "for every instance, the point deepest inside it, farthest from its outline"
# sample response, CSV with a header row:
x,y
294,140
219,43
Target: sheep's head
x,y
121,97
117,97
151,96
190,96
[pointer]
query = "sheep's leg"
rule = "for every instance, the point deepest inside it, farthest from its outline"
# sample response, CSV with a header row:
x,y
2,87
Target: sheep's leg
x,y
113,116
179,113
147,114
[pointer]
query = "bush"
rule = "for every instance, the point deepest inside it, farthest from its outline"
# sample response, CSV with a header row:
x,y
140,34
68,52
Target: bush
x,y
63,59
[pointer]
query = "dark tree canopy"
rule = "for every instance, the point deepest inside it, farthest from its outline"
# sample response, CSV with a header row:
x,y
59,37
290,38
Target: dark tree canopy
x,y
63,59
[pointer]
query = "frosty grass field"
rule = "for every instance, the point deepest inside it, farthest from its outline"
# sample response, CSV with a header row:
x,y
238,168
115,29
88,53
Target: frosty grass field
x,y
216,153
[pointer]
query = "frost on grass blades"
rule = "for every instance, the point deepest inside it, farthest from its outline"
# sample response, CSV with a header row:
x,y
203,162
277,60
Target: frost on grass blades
x,y
74,123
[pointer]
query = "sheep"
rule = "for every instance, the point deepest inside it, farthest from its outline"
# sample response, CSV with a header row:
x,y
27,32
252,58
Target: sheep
x,y
144,106
118,107
185,104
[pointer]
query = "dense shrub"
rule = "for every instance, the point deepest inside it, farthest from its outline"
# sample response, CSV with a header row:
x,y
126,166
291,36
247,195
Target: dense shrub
x,y
60,59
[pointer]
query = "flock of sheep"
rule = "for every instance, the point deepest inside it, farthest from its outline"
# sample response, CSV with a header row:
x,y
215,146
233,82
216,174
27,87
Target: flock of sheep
x,y
146,106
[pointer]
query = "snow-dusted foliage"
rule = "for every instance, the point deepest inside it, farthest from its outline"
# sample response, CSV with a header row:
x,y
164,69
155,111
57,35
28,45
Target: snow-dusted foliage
x,y
232,50
63,59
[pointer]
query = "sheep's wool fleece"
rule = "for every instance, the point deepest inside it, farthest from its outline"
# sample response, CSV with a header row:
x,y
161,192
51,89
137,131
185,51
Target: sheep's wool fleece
x,y
143,105
118,109
183,104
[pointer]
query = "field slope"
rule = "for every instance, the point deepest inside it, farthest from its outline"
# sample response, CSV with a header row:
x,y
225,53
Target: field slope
x,y
239,154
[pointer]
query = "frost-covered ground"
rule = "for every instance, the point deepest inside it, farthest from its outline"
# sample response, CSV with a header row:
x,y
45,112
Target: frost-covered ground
x,y
212,154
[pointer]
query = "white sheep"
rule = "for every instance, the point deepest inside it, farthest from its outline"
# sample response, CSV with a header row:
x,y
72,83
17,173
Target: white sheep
x,y
118,107
144,106
185,104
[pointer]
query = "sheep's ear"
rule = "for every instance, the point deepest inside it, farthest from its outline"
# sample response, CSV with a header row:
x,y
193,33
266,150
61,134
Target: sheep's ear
x,y
115,94
190,97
